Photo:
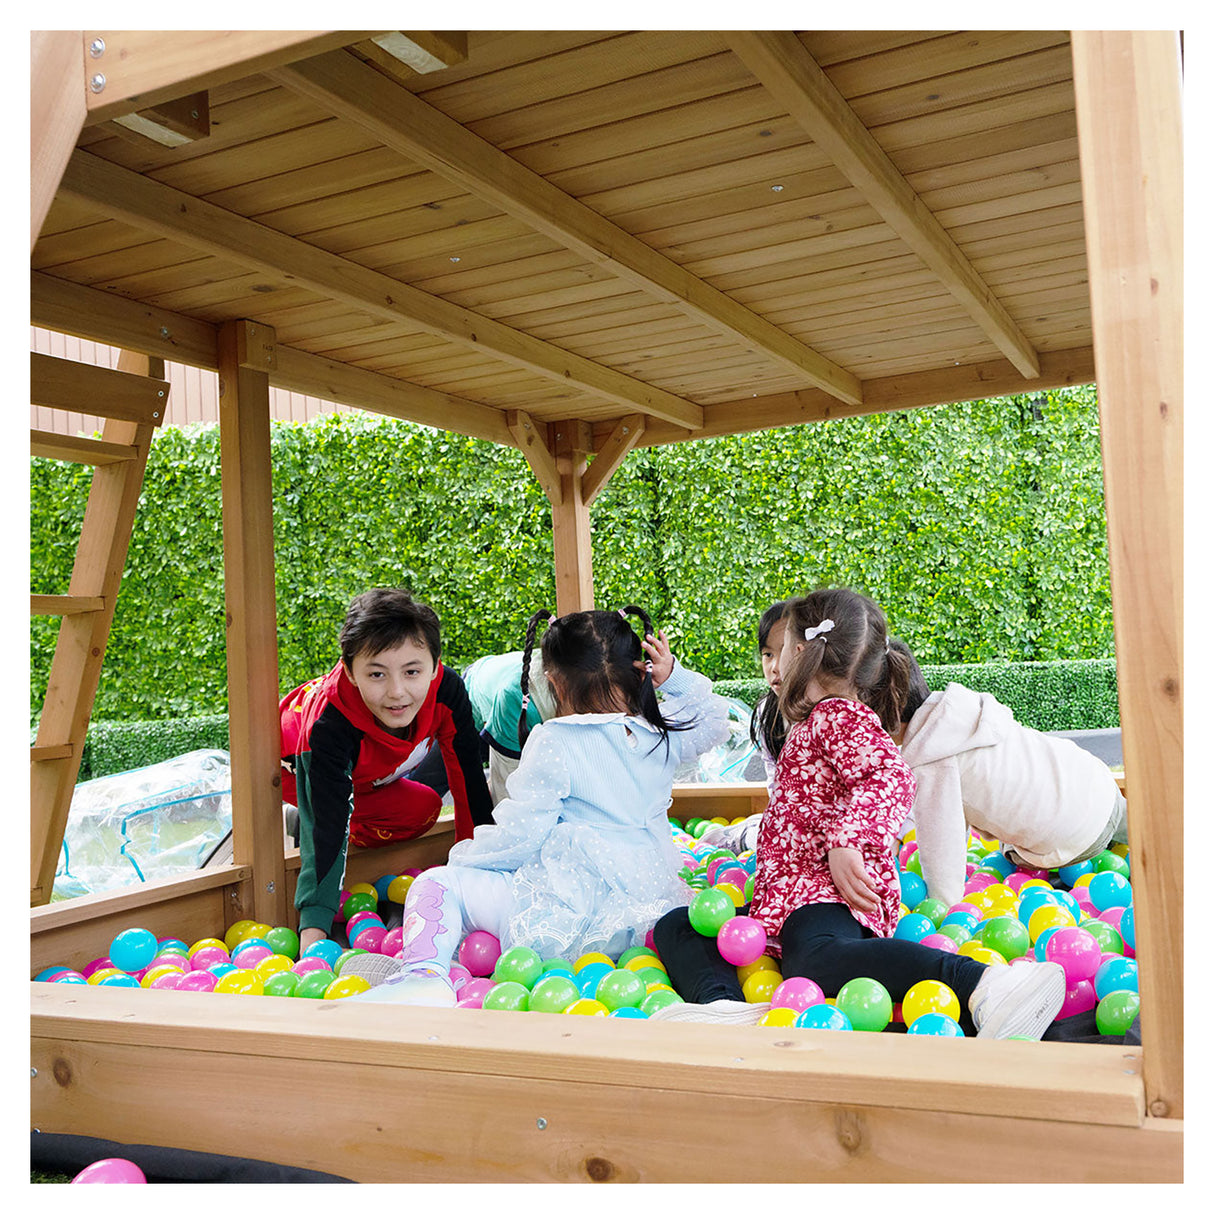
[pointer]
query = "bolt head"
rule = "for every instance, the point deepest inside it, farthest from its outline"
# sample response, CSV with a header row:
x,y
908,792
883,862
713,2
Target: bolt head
x,y
97,82
97,48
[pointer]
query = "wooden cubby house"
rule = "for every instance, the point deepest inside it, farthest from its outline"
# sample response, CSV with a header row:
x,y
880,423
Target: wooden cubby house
x,y
576,243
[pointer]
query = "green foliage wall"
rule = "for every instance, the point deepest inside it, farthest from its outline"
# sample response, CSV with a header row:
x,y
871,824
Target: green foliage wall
x,y
979,528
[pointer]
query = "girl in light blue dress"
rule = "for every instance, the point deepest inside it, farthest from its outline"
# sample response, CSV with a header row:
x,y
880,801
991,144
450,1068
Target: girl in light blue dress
x,y
580,857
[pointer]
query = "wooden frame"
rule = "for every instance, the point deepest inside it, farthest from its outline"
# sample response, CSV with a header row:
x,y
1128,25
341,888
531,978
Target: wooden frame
x,y
619,1104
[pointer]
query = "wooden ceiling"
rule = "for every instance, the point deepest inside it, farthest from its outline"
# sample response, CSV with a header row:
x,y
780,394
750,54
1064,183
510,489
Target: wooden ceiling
x,y
712,232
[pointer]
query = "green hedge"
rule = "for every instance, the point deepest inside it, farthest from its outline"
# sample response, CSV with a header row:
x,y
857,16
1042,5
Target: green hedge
x,y
978,527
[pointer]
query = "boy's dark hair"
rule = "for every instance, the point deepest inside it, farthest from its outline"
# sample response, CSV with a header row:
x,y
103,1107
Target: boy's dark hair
x,y
589,656
767,727
852,653
381,619
918,690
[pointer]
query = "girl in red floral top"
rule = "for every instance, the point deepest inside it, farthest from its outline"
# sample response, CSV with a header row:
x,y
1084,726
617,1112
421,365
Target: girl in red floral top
x,y
826,885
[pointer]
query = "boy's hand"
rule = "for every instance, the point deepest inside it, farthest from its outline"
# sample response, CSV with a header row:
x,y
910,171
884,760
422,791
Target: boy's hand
x,y
657,649
309,936
852,880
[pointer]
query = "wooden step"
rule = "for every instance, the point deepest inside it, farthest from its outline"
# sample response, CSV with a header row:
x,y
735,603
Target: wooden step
x,y
65,604
45,754
76,449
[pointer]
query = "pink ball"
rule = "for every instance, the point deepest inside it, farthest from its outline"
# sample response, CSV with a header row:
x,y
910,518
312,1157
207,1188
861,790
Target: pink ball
x,y
1084,899
965,908
1112,916
361,917
1077,951
978,881
741,940
99,963
370,938
1040,873
797,993
247,958
458,975
392,942
197,980
905,852
714,867
69,976
168,982
1016,880
649,939
945,944
479,952
1080,997
472,993
735,874
309,965
204,958
111,1171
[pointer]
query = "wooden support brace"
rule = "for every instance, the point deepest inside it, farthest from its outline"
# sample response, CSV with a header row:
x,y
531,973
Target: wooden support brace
x,y
60,383
172,123
623,437
531,438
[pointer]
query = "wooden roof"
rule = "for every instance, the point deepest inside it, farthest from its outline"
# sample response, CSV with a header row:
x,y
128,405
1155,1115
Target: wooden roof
x,y
713,232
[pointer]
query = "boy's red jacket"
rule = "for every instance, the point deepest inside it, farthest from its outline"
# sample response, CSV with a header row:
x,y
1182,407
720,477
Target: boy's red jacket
x,y
337,748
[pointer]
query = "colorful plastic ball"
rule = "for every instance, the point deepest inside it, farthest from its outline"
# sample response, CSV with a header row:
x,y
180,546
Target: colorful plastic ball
x,y
1047,916
398,889
586,1007
311,965
361,922
506,997
478,953
1127,927
239,982
457,974
105,971
592,959
1116,974
934,1024
760,986
914,864
51,970
237,932
343,988
519,964
741,940
1116,1012
589,977
222,967
360,900
372,938
978,951
169,980
735,893
732,874
275,963
554,993
927,996
759,963
1107,889
620,988
779,1017
1111,862
945,943
472,993
558,965
393,942
341,961
69,978
204,958
133,949
111,1171
206,942
822,1016
931,908
635,952
155,972
1077,951
98,963
197,980
117,978
999,863
797,994
314,985
1080,997
627,1013
866,1003
913,927
651,974
913,887
709,910
171,944
659,999
248,956
1006,935
324,950
643,961
956,932
1070,873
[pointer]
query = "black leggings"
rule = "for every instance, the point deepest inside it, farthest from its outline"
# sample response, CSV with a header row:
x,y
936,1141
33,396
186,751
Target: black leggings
x,y
822,941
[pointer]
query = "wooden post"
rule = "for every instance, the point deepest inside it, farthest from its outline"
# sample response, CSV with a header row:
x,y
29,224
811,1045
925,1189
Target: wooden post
x,y
572,441
246,357
1127,89
58,108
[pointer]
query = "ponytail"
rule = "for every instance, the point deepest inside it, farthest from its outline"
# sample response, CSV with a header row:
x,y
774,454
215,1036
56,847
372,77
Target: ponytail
x,y
888,696
540,617
647,695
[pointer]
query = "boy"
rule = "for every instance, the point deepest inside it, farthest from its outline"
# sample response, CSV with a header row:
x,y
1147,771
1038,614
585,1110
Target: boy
x,y
352,738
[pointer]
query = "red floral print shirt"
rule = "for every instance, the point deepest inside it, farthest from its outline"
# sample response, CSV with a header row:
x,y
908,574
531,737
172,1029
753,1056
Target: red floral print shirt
x,y
840,782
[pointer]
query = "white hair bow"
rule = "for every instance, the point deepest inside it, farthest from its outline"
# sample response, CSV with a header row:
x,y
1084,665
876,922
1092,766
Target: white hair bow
x,y
819,630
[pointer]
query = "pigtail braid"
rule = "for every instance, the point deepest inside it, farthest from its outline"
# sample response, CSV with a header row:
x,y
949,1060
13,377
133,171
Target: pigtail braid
x,y
540,617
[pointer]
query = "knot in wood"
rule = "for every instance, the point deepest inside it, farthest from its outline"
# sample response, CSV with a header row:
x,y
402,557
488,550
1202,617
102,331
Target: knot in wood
x,y
599,1170
849,1129
62,1071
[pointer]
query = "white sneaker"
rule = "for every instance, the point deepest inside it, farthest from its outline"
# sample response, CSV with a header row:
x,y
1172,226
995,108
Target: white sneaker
x,y
719,1011
412,988
1018,1000
374,967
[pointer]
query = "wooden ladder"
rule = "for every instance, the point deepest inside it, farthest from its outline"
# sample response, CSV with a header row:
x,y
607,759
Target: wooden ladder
x,y
133,400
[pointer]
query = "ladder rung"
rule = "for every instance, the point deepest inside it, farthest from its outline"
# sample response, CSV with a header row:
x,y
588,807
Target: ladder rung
x,y
43,754
76,449
65,604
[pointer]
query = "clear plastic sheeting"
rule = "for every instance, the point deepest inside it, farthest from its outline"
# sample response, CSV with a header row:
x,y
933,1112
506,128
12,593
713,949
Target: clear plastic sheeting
x,y
136,826
733,761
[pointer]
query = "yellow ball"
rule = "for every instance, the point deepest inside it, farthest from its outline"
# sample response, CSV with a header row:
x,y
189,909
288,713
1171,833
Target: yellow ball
x,y
762,963
1081,882
95,977
759,986
1038,882
979,952
398,889
1119,849
237,932
733,892
341,988
929,996
239,982
588,959
363,887
657,986
738,821
267,967
909,837
1045,917
719,821
158,971
644,963
209,942
587,1007
778,1017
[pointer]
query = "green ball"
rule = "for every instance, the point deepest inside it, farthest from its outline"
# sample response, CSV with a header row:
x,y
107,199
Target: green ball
x,y
914,864
987,870
1111,862
657,999
709,909
934,909
955,932
651,973
360,901
283,941
1006,935
519,964
314,985
866,1003
1115,1013
282,984
553,994
620,988
1107,936
690,825
749,892
344,956
700,827
507,997
638,950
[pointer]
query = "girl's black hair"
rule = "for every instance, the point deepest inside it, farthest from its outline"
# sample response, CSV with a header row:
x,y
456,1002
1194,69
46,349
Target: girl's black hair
x,y
591,658
768,728
918,690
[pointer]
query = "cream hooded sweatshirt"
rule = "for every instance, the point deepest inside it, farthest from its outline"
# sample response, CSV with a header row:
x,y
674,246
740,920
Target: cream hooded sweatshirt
x,y
975,766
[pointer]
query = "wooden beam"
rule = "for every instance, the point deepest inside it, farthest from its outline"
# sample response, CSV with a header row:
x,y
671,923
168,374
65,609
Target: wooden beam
x,y
573,556
130,70
57,112
158,208
61,383
781,63
532,439
76,449
610,454
246,353
65,604
400,120
1128,106
974,381
171,123
424,51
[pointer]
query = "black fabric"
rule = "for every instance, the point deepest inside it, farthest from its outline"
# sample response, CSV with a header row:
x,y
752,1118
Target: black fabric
x,y
72,1153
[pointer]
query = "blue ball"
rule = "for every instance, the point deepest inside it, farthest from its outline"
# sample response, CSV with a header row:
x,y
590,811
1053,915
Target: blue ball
x,y
133,949
1127,926
118,980
381,886
1108,890
222,967
962,918
1039,947
999,862
913,927
1032,898
327,950
589,976
1070,873
627,1013
914,888
935,1024
47,974
822,1016
1116,974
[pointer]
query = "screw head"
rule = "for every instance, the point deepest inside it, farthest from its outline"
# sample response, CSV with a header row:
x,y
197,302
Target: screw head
x,y
541,1123
97,82
97,48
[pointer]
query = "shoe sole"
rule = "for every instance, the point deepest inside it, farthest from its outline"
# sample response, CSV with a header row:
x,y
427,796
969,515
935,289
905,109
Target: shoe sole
x,y
694,1013
1040,999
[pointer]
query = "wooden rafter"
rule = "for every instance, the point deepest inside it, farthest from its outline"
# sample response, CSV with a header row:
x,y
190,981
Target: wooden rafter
x,y
400,120
781,63
158,208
